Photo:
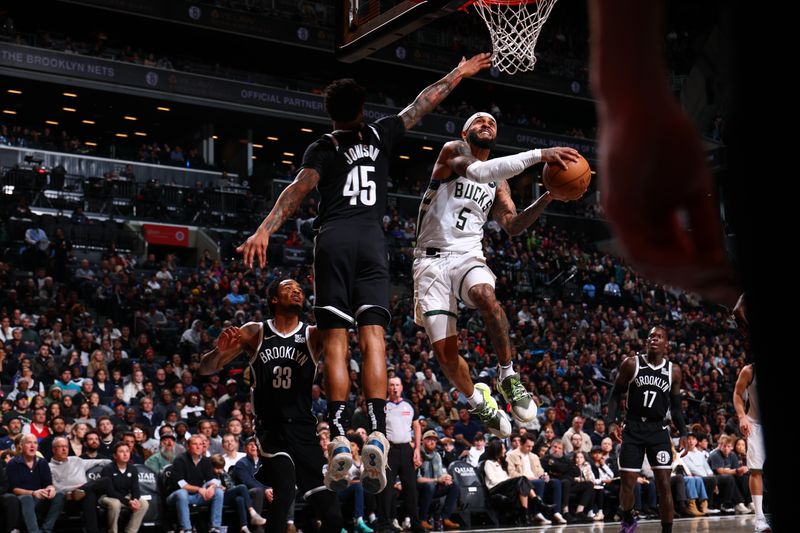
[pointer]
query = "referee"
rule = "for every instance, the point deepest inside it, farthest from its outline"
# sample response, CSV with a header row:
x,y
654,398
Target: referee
x,y
401,428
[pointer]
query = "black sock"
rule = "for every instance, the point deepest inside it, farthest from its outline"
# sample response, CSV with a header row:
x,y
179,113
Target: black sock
x,y
338,419
376,411
627,516
666,528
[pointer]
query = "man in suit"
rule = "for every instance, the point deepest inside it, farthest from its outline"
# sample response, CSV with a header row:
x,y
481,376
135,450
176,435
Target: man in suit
x,y
523,462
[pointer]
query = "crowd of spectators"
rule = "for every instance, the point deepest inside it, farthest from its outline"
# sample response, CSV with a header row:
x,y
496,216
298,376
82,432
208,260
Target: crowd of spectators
x,y
109,348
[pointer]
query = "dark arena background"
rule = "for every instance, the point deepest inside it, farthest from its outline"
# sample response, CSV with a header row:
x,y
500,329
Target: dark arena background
x,y
142,141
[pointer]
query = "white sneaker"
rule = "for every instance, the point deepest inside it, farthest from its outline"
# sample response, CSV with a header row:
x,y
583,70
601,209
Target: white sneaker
x,y
590,514
256,519
373,457
541,520
762,525
712,511
742,509
523,408
407,523
396,525
337,477
599,516
558,519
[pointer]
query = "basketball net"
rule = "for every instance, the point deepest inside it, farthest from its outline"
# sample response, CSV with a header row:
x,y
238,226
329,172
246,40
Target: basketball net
x,y
514,26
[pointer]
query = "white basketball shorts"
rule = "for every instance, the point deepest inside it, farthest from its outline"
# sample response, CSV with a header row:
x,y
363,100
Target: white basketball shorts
x,y
755,447
439,282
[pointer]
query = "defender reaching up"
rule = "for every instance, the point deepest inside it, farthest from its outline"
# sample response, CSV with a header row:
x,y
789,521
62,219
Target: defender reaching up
x,y
350,168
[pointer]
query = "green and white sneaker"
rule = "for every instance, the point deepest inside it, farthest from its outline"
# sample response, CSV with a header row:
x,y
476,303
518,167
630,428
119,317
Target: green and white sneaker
x,y
523,408
495,420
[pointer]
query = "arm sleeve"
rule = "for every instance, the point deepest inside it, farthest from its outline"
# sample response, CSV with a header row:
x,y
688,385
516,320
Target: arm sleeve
x,y
502,168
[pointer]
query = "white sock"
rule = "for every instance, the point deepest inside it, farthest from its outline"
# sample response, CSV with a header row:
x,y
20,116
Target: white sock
x,y
506,371
759,503
476,399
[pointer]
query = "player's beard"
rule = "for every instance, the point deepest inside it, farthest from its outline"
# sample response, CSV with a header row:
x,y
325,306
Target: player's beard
x,y
473,138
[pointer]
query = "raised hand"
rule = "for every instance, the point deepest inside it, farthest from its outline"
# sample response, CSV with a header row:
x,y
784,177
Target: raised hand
x,y
560,155
470,67
228,339
255,247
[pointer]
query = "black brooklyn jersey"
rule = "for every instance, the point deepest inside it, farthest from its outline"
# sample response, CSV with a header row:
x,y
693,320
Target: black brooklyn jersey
x,y
354,166
283,370
649,391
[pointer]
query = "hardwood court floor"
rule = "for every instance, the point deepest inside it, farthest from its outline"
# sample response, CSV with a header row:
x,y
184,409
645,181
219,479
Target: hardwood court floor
x,y
726,524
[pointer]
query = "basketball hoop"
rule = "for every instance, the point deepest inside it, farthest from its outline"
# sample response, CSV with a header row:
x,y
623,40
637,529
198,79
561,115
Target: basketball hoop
x,y
514,26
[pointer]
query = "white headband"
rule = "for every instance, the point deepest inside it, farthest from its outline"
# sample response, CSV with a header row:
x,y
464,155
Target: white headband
x,y
474,117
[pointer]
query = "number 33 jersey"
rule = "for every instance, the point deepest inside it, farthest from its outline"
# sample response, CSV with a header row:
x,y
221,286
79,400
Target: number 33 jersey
x,y
452,214
283,369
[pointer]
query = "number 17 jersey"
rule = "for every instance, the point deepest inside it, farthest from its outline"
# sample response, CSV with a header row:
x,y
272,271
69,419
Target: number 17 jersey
x,y
284,371
649,390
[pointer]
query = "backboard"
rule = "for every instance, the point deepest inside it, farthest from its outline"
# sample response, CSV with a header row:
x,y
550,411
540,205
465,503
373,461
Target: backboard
x,y
364,26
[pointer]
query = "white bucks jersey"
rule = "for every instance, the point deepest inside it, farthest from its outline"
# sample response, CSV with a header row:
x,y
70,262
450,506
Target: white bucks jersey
x,y
452,214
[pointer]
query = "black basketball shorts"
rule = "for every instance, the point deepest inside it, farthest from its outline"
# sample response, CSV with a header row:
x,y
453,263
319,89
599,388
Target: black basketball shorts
x,y
300,445
351,276
639,438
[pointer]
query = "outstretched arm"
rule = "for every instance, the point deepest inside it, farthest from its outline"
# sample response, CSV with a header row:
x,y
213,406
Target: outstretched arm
x,y
456,158
288,202
232,341
432,95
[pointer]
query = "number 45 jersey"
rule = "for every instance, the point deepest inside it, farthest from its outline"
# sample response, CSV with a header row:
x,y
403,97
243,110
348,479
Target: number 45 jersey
x,y
284,371
354,166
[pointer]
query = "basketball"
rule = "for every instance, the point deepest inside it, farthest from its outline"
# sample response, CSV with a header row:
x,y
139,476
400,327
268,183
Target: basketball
x,y
567,184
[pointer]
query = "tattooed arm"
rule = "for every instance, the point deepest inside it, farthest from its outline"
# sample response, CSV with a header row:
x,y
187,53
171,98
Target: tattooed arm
x,y
288,202
505,212
432,95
